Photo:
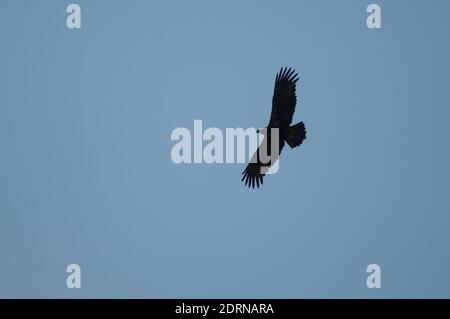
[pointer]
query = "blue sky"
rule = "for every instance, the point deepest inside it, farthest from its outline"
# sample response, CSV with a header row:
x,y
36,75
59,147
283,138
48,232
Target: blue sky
x,y
86,175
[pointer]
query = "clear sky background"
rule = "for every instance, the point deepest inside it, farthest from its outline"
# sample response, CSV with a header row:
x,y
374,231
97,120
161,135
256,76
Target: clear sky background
x,y
86,175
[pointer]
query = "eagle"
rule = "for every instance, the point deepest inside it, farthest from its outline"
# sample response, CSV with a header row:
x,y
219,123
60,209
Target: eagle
x,y
283,107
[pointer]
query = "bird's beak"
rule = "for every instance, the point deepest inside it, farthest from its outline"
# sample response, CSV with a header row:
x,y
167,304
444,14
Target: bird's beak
x,y
261,131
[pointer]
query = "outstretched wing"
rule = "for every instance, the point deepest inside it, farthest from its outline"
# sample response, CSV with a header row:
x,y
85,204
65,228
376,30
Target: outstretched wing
x,y
284,98
256,169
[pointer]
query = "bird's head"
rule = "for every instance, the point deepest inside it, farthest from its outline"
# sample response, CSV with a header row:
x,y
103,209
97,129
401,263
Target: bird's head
x,y
262,131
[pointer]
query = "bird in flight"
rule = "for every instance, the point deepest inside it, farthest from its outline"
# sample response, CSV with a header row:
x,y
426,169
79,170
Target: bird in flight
x,y
283,108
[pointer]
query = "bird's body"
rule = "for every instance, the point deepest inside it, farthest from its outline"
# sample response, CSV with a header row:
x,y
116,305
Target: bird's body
x,y
283,107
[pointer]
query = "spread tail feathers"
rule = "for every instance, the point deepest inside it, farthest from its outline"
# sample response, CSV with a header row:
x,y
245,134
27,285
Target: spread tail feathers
x,y
296,135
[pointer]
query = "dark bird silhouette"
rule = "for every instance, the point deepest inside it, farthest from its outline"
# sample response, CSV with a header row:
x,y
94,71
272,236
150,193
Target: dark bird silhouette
x,y
283,108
